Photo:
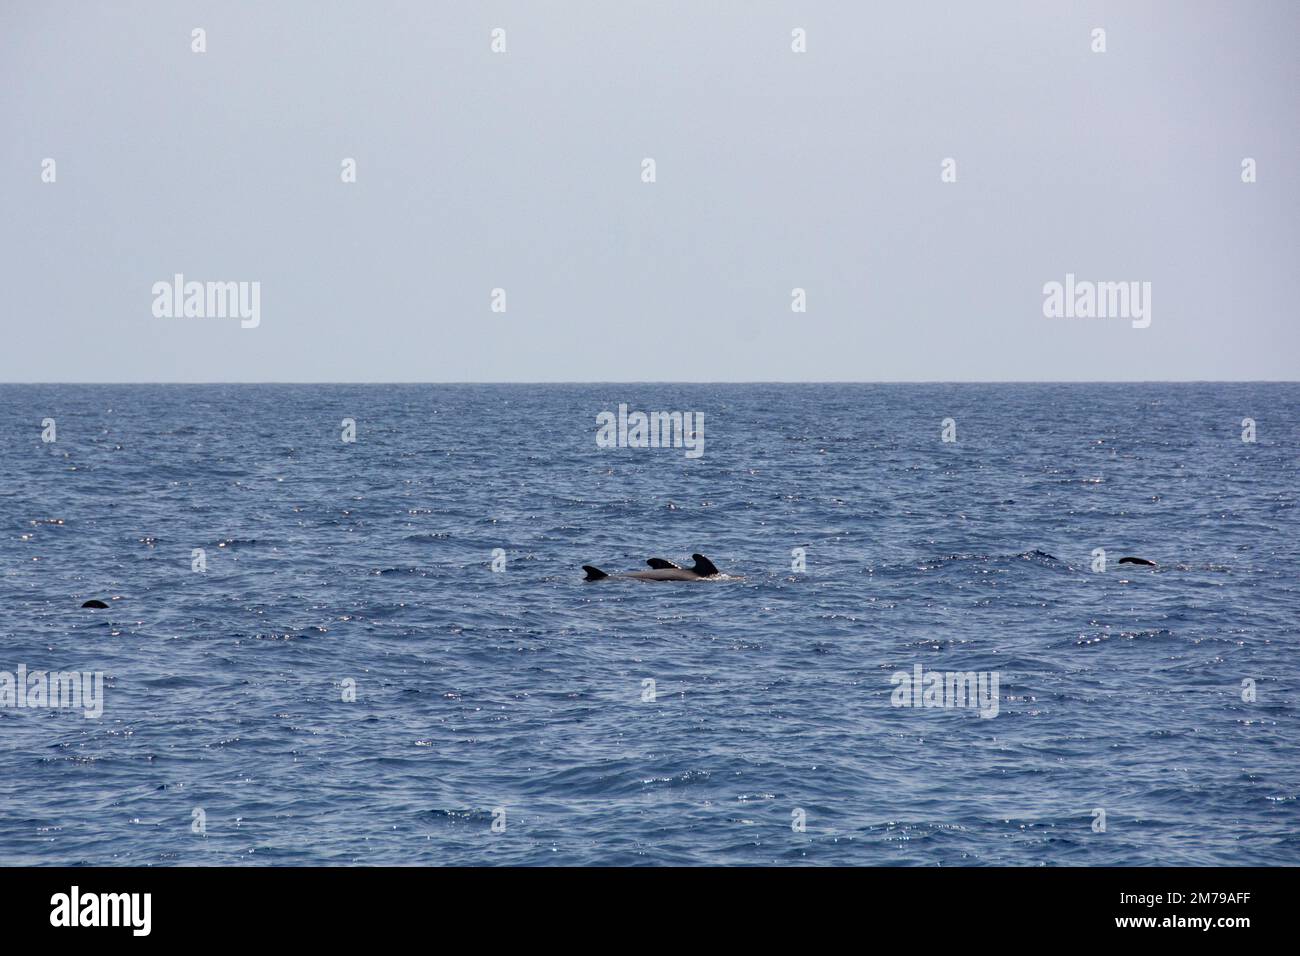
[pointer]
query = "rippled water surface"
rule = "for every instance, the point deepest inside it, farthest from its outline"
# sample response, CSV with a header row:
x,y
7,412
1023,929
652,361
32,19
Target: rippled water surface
x,y
477,690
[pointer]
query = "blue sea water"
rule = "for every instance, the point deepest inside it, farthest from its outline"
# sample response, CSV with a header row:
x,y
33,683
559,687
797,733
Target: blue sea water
x,y
522,689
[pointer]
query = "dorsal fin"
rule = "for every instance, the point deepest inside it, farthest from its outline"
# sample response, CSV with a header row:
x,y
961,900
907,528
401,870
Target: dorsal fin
x,y
593,574
703,566
662,564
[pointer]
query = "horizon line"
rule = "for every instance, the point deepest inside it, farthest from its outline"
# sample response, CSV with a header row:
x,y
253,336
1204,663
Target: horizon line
x,y
974,381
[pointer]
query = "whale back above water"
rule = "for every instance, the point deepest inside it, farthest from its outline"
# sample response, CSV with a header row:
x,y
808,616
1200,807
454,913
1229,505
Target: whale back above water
x,y
1128,559
658,574
661,570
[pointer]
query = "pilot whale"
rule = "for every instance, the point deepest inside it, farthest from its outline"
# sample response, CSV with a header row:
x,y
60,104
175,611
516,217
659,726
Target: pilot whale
x,y
663,570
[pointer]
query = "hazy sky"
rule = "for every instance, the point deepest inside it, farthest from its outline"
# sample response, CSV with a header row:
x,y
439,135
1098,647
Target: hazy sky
x,y
775,170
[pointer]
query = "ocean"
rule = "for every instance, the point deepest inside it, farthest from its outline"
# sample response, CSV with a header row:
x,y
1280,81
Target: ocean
x,y
382,651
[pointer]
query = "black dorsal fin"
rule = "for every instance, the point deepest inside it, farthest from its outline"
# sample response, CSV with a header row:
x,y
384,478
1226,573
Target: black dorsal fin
x,y
593,574
703,566
662,564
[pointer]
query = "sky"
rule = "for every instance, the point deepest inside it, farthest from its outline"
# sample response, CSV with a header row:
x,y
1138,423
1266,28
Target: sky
x,y
523,170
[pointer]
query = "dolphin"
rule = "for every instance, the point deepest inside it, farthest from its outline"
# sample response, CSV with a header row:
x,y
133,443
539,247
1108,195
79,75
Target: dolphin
x,y
95,603
1141,561
662,570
